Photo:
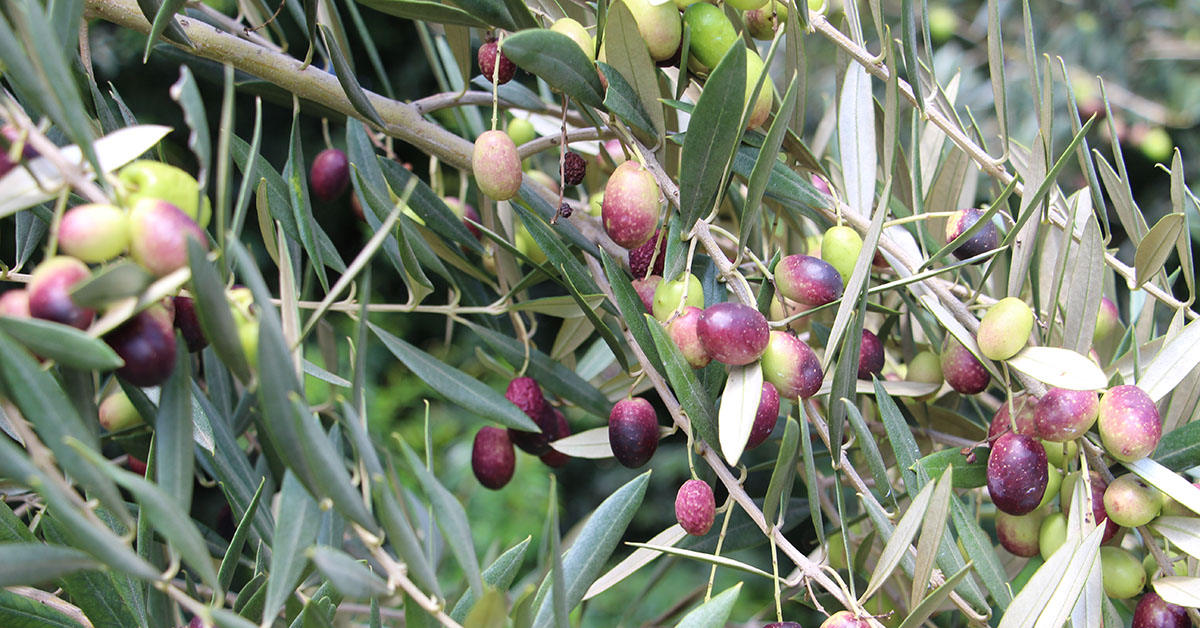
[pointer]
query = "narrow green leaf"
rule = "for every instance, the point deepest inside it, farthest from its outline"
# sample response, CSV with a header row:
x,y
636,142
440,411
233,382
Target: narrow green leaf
x,y
187,94
870,448
455,385
161,15
739,406
332,480
934,600
932,529
45,405
1084,290
714,129
713,613
982,553
62,343
498,576
622,101
425,10
1179,449
295,531
856,139
756,185
117,280
295,175
966,474
625,49
784,473
451,517
493,12
594,544
38,563
402,537
233,553
173,433
632,310
347,575
1156,247
558,60
346,77
899,541
17,611
691,394
428,205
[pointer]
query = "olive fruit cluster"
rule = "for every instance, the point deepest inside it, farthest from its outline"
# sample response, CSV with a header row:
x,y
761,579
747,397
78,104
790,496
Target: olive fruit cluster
x,y
493,458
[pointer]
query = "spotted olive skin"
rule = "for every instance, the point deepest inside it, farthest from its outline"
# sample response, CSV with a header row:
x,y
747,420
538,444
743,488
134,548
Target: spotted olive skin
x,y
791,366
1131,503
984,240
766,416
962,370
733,333
870,355
1016,474
808,280
158,235
146,343
844,619
15,304
49,292
1019,534
497,165
1023,407
1154,612
654,250
1130,425
630,208
633,432
493,459
684,330
645,289
783,624
1062,415
1005,329
695,507
493,64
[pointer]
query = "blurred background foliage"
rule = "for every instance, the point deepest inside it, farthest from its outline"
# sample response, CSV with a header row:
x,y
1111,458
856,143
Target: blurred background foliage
x,y
1147,53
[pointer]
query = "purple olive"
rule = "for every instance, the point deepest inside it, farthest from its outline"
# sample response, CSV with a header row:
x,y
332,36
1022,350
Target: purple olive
x,y
15,304
845,619
654,250
645,290
146,343
984,240
766,417
962,370
633,432
808,280
783,624
50,292
525,393
630,208
556,428
733,333
870,355
1017,473
1154,612
1024,407
158,235
330,174
1130,425
492,457
695,507
1064,415
685,331
791,366
489,57
188,324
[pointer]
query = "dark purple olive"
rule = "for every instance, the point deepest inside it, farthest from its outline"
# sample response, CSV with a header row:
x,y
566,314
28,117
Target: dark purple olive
x,y
1017,473
1062,415
809,280
525,393
870,355
146,343
492,457
188,324
330,174
556,428
50,292
1154,612
1023,406
733,333
962,370
633,432
641,257
783,624
489,56
984,240
766,417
